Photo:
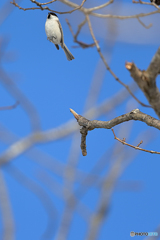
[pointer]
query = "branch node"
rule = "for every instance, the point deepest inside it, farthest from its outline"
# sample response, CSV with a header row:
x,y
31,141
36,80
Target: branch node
x,y
135,111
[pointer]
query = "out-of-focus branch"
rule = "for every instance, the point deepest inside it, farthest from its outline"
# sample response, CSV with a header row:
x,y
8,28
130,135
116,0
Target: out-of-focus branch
x,y
22,145
116,167
146,80
9,107
5,10
41,4
107,66
42,196
133,115
8,231
154,237
24,102
100,6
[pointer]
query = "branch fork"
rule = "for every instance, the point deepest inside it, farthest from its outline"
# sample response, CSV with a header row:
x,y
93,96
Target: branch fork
x,y
88,125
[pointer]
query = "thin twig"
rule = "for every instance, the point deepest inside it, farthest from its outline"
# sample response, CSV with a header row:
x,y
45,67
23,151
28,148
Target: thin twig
x,y
146,80
9,107
146,3
80,27
147,27
81,44
135,147
46,7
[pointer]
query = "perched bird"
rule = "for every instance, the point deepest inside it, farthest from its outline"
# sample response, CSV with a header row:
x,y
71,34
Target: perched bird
x,y
54,33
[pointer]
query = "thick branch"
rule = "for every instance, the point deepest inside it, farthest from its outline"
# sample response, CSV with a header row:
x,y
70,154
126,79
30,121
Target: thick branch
x,y
146,81
136,114
9,107
88,125
154,67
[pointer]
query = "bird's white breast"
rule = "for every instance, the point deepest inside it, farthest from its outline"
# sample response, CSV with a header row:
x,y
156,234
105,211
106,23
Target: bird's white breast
x,y
52,30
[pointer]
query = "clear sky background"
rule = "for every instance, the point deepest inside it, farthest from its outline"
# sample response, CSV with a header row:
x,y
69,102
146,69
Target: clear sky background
x,y
54,85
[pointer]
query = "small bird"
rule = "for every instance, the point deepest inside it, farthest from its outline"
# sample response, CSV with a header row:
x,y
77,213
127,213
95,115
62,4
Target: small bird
x,y
54,33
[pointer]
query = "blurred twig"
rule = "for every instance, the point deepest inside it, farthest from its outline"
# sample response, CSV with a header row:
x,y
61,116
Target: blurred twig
x,y
146,3
89,11
42,196
9,107
147,27
24,102
8,224
6,9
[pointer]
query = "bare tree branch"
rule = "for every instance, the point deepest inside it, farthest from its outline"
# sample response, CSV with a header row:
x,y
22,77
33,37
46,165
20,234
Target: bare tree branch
x,y
9,107
135,114
25,103
43,197
146,3
100,6
88,125
123,141
146,80
8,224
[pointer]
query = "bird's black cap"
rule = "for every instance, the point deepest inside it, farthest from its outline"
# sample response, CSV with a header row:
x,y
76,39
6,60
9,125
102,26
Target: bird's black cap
x,y
51,13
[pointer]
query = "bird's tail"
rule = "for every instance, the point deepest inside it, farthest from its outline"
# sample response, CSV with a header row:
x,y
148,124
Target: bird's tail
x,y
68,53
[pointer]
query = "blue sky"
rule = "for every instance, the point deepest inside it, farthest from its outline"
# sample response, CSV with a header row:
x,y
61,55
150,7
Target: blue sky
x,y
54,85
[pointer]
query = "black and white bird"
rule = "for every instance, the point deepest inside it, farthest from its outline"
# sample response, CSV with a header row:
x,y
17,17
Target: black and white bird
x,y
54,33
